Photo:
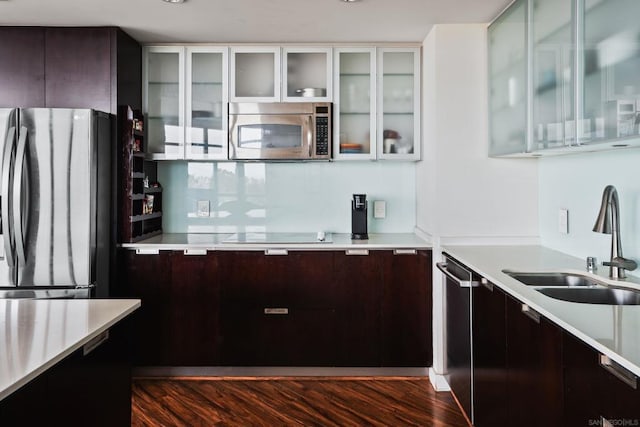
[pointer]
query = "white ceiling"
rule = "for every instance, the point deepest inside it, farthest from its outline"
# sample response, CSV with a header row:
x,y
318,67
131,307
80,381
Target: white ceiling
x,y
253,21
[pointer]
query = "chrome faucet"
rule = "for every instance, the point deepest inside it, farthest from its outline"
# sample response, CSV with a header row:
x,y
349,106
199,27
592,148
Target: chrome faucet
x,y
608,222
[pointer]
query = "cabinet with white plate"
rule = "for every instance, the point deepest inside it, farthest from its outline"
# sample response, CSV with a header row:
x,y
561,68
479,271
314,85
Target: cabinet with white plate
x,y
398,106
354,109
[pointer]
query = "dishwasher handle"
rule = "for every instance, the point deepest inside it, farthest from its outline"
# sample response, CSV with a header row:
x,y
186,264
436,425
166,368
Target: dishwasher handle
x,y
442,266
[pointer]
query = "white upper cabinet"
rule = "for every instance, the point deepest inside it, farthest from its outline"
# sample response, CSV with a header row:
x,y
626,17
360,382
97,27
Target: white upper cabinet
x,y
185,102
163,99
354,108
610,72
398,105
508,82
581,59
306,74
207,103
255,74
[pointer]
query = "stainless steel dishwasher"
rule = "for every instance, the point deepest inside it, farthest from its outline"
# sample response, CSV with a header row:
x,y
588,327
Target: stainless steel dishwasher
x,y
459,283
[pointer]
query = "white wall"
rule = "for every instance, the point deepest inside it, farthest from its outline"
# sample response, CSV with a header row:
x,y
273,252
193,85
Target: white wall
x,y
461,192
575,183
462,195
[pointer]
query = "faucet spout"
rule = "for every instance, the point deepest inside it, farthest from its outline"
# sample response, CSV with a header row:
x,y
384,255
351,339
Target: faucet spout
x,y
608,222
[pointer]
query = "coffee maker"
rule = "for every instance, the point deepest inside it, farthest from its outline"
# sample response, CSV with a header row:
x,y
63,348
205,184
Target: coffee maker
x,y
359,217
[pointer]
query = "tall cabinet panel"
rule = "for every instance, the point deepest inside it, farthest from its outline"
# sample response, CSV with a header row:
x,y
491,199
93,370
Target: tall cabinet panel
x,y
22,77
164,101
610,80
354,103
398,103
207,97
78,68
553,51
508,81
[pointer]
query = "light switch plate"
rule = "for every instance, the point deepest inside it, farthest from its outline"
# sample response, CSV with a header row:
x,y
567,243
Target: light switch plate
x,y
203,208
379,209
563,221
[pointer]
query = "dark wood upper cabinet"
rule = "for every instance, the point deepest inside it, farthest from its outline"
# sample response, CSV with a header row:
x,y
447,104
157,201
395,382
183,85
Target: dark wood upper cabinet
x,y
21,67
70,67
78,68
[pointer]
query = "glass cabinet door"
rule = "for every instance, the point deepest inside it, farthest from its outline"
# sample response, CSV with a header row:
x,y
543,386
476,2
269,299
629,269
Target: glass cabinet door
x,y
307,74
398,103
354,106
508,82
164,101
255,74
552,49
610,71
206,123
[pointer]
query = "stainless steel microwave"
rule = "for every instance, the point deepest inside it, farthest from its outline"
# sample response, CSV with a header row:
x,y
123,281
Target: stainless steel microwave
x,y
280,131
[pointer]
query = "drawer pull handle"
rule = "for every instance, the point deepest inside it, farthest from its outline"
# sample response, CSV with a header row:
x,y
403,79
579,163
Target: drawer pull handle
x,y
95,342
195,252
141,251
618,371
276,311
357,251
405,251
531,313
276,252
487,284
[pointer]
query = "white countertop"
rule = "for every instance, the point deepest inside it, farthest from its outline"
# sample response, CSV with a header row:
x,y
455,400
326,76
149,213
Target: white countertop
x,y
611,330
216,242
37,334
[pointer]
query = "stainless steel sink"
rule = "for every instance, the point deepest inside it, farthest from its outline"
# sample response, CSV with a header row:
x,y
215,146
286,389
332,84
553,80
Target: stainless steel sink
x,y
598,295
552,279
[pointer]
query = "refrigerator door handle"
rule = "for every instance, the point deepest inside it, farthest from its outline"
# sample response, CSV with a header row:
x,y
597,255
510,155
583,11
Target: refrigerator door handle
x,y
7,228
17,194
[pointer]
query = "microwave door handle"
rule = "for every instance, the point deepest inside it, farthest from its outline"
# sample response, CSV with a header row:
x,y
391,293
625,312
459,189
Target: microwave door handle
x,y
310,136
4,197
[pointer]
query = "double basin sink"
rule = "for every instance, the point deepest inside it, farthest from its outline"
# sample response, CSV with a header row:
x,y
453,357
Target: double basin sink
x,y
575,287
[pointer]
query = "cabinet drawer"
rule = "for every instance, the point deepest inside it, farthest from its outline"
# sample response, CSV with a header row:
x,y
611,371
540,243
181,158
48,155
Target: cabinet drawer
x,y
303,279
278,336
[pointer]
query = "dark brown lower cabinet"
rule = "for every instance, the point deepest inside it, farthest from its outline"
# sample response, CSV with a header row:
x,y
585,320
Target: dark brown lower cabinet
x,y
489,356
534,368
406,309
81,390
593,394
303,308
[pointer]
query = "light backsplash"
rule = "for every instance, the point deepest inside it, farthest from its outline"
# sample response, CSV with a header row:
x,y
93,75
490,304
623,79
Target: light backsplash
x,y
284,197
576,183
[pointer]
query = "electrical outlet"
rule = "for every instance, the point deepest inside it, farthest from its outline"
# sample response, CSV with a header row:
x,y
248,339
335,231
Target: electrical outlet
x,y
203,208
379,209
563,221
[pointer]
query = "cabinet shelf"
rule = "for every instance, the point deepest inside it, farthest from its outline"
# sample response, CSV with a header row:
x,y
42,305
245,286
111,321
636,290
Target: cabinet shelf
x,y
137,175
152,190
145,217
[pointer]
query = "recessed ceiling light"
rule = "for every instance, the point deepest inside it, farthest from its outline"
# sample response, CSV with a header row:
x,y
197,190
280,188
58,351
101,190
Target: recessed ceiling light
x,y
349,1
174,1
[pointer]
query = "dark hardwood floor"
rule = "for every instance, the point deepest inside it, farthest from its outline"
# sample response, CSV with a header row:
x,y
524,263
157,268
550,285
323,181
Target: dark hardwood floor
x,y
292,401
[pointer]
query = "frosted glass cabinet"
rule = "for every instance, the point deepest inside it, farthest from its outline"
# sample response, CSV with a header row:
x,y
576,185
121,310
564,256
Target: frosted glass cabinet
x,y
398,105
185,101
611,71
207,103
354,104
164,101
508,81
255,74
581,62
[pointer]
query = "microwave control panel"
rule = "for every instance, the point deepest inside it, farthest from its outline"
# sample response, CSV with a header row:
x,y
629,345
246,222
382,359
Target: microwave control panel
x,y
322,136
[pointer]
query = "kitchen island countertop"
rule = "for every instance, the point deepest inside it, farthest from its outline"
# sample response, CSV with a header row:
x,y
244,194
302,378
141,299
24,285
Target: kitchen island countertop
x,y
35,334
339,241
611,330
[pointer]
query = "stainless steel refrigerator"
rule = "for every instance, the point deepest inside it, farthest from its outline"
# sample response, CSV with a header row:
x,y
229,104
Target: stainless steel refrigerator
x,y
55,210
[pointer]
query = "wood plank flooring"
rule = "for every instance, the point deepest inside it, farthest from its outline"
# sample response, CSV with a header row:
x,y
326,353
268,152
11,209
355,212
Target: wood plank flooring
x,y
292,401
